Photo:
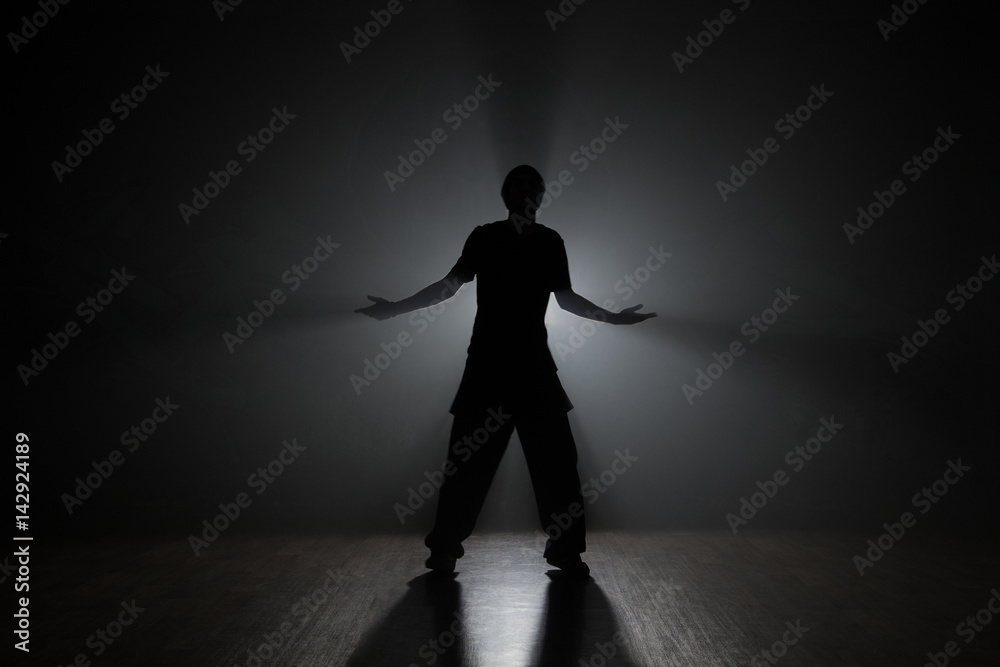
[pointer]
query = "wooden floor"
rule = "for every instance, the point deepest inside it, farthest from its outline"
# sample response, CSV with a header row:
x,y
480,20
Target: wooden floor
x,y
666,598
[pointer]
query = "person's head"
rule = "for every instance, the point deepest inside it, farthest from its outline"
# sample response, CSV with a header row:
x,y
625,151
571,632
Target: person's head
x,y
522,191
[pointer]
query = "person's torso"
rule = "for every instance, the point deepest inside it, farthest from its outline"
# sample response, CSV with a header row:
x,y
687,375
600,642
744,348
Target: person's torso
x,y
514,279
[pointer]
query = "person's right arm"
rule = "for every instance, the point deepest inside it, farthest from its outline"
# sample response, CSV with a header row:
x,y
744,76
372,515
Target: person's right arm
x,y
431,295
463,272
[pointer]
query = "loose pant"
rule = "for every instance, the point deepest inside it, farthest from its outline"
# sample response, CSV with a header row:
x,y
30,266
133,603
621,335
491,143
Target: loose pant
x,y
474,455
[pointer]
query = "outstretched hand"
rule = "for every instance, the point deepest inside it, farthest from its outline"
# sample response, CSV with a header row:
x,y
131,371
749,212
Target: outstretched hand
x,y
631,315
382,309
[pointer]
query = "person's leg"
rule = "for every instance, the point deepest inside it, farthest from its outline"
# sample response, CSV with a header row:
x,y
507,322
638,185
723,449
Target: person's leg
x,y
550,452
477,445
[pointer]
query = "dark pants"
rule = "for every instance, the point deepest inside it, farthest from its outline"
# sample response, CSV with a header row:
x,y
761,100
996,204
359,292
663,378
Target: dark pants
x,y
478,442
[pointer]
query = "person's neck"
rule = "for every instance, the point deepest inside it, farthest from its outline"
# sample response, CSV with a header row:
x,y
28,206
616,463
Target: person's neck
x,y
522,223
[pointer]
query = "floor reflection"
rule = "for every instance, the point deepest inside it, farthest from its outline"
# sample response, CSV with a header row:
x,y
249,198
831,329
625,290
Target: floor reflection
x,y
433,625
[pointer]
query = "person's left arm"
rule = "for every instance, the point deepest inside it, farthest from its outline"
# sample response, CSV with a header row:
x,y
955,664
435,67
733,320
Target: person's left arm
x,y
572,302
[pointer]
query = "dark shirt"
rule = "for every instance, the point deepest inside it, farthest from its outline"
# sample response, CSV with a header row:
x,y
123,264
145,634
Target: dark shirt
x,y
509,359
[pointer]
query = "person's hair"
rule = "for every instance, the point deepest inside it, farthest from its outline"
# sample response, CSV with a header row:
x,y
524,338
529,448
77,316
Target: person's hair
x,y
522,183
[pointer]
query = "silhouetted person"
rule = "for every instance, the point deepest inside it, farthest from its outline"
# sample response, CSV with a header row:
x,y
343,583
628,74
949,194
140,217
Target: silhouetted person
x,y
510,377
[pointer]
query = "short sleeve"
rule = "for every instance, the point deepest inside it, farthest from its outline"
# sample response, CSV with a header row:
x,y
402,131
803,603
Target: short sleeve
x,y
469,263
559,279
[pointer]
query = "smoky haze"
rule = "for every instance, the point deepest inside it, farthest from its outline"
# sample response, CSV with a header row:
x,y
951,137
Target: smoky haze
x,y
633,150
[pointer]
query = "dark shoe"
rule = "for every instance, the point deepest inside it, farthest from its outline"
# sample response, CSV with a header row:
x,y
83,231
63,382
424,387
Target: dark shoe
x,y
440,561
571,565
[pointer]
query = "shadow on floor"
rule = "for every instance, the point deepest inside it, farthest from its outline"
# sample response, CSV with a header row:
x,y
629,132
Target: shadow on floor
x,y
428,626
579,627
423,628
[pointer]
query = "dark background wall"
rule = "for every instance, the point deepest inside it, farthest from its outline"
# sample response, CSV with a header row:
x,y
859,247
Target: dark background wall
x,y
323,177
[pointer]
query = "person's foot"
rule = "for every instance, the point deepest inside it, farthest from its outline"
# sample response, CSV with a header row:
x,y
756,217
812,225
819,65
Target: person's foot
x,y
441,561
572,565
